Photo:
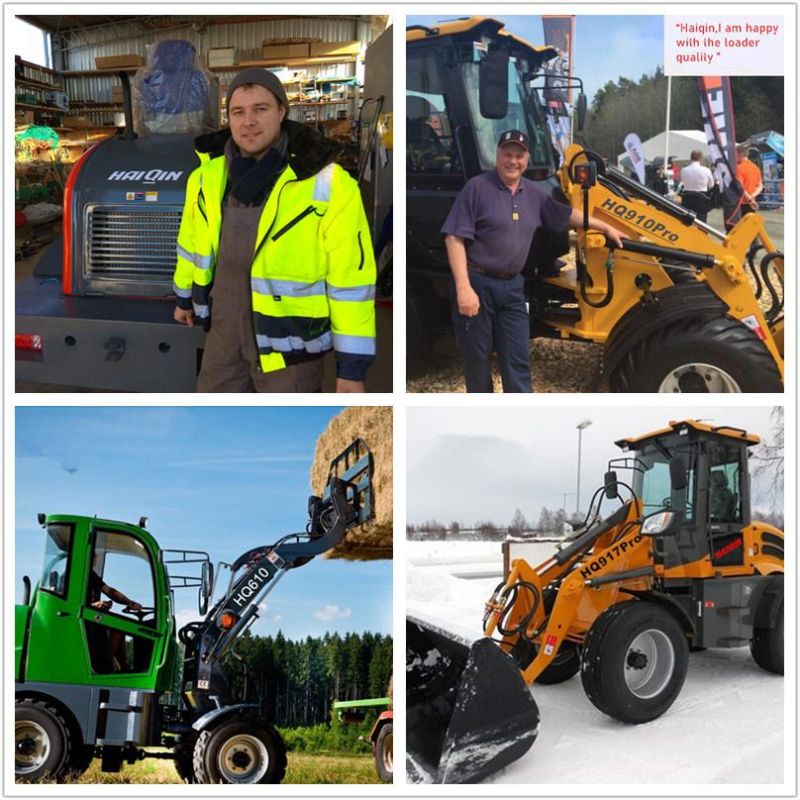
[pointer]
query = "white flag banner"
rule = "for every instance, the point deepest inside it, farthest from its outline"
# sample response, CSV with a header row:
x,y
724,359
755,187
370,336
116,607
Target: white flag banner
x,y
633,146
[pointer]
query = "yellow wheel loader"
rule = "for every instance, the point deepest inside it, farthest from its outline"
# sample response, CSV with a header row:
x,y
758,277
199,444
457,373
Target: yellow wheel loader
x,y
678,564
681,307
675,306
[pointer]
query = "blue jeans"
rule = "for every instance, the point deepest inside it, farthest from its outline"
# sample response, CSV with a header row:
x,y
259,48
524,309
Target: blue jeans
x,y
501,326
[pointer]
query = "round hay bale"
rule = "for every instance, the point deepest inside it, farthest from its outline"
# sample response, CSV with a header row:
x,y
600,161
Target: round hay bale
x,y
374,425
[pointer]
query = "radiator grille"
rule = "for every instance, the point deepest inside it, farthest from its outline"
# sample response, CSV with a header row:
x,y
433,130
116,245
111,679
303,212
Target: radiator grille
x,y
132,242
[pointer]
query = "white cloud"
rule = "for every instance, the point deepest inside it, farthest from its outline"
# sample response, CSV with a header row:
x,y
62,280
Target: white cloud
x,y
331,612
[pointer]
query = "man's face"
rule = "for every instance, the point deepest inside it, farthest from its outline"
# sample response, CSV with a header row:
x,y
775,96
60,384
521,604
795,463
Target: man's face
x,y
255,116
512,161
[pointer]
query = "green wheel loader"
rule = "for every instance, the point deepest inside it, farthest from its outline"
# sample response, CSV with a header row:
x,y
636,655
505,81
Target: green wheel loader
x,y
94,681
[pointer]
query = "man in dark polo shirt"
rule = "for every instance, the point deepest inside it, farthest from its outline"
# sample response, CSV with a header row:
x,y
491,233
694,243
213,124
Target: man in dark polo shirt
x,y
488,234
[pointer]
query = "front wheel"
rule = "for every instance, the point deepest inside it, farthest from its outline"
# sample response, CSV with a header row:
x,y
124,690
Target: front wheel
x,y
703,354
384,753
41,742
634,661
239,751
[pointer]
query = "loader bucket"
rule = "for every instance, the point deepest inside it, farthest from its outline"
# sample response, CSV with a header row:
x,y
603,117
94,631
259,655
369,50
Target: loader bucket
x,y
468,711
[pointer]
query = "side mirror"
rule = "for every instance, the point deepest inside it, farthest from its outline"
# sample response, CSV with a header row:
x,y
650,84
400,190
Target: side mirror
x,y
581,108
662,523
610,485
206,586
677,473
493,85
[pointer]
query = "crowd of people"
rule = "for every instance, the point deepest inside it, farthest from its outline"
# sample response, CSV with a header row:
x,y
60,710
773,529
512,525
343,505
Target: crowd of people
x,y
699,190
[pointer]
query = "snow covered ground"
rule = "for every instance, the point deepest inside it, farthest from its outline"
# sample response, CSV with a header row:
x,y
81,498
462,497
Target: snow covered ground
x,y
726,727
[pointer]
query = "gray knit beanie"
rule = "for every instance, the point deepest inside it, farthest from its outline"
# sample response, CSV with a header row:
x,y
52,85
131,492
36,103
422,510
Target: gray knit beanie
x,y
260,77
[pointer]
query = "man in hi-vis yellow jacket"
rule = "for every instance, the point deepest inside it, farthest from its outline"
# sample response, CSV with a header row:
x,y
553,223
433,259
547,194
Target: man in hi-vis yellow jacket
x,y
274,252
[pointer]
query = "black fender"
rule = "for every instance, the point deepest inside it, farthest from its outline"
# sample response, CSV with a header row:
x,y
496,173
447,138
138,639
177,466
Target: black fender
x,y
769,603
216,715
681,614
643,319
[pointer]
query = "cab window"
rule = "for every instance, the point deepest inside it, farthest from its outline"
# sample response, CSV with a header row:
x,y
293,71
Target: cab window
x,y
656,491
724,484
120,563
55,567
430,146
121,573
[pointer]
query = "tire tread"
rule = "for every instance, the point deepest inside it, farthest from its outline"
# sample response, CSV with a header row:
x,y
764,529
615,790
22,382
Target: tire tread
x,y
702,330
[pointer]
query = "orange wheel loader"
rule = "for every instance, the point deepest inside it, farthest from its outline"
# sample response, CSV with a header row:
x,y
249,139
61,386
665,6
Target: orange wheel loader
x,y
678,564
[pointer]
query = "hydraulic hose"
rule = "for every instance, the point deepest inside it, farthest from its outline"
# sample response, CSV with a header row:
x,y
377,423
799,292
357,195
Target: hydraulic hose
x,y
751,255
510,598
609,295
776,302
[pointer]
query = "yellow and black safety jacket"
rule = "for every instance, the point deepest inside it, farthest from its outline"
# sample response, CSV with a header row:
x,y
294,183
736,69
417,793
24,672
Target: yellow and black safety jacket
x,y
312,277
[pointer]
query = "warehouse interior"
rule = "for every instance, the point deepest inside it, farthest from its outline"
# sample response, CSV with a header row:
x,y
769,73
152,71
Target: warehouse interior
x,y
69,96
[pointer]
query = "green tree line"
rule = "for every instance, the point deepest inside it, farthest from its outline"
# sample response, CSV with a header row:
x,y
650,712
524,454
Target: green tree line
x,y
627,106
295,682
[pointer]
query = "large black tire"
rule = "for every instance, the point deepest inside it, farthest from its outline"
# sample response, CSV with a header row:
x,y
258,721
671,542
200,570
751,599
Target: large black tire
x,y
41,741
702,354
568,658
239,750
634,661
384,753
566,664
767,646
80,759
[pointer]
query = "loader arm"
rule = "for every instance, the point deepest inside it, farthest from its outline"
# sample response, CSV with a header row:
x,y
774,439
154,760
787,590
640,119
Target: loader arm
x,y
589,573
666,245
346,502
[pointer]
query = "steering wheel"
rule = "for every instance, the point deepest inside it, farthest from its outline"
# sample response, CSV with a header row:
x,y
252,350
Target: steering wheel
x,y
141,613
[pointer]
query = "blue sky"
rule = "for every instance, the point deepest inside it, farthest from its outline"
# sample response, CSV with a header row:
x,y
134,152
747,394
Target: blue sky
x,y
606,47
222,480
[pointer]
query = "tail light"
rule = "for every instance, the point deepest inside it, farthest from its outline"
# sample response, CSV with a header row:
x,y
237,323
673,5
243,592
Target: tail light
x,y
28,341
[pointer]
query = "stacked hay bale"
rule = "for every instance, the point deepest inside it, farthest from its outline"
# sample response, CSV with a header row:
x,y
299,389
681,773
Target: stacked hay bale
x,y
374,425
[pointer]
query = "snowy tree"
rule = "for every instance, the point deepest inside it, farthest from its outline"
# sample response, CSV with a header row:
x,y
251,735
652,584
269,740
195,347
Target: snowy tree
x,y
768,456
518,523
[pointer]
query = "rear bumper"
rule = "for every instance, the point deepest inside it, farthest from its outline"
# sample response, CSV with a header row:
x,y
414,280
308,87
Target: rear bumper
x,y
107,343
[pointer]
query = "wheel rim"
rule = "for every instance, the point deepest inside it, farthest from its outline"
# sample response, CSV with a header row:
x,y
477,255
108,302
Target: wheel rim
x,y
699,378
31,746
388,753
649,664
243,759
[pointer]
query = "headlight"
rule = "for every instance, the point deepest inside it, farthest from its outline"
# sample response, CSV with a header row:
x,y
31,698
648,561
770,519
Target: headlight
x,y
657,523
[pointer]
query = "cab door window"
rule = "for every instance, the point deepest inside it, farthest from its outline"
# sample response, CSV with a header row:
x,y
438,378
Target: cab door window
x,y
430,147
724,486
120,604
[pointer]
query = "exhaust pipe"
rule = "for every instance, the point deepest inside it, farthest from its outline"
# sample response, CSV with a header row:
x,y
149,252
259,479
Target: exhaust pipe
x,y
469,713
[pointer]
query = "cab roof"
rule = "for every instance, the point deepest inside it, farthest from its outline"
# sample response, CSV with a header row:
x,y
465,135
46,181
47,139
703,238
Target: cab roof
x,y
483,26
725,431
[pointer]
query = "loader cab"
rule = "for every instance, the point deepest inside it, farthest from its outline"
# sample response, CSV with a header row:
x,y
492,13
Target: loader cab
x,y
80,630
716,498
467,81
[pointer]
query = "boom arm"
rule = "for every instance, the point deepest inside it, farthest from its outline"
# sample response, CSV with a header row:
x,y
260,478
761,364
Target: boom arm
x,y
346,502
